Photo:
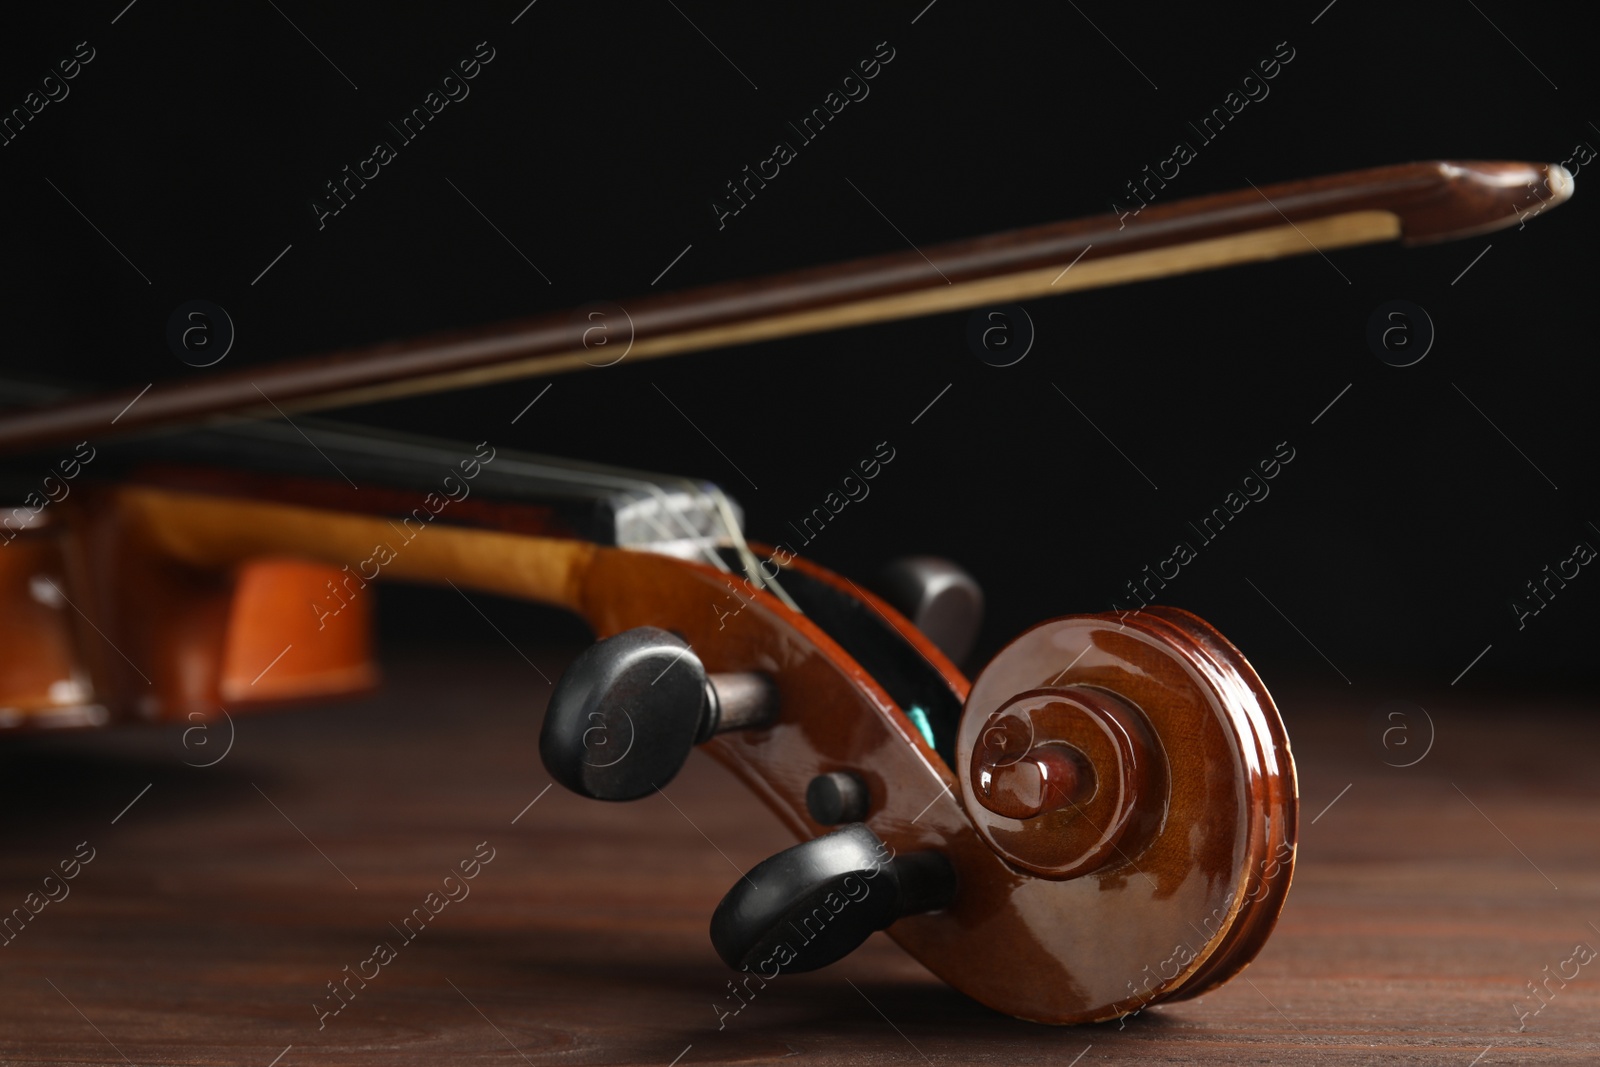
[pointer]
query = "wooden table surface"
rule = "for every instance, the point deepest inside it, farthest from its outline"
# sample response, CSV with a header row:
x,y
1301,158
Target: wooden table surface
x,y
219,905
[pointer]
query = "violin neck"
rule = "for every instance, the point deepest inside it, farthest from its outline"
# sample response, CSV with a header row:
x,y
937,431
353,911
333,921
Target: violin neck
x,y
612,506
355,469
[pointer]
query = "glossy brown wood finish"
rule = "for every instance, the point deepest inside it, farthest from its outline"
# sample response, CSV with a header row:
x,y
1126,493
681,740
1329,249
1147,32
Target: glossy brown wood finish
x,y
1115,765
280,604
1007,941
1183,901
1048,949
1039,779
163,638
1415,201
43,682
1276,789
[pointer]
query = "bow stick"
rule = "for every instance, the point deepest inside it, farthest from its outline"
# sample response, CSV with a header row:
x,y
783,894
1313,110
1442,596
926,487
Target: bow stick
x,y
1413,202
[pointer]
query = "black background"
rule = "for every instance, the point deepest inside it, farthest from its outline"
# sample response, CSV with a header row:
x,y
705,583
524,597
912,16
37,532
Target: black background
x,y
597,138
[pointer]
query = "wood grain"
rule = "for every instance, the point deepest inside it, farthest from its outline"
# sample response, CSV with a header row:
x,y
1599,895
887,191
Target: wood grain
x,y
207,925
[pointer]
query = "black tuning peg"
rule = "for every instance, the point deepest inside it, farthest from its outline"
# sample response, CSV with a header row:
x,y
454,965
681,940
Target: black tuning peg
x,y
625,715
941,599
813,904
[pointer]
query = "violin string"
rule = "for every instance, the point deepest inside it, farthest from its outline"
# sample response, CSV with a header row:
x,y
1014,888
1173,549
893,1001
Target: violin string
x,y
752,569
732,532
666,502
677,514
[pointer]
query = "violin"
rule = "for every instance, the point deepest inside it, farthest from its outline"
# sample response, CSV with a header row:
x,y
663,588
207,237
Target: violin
x,y
1104,818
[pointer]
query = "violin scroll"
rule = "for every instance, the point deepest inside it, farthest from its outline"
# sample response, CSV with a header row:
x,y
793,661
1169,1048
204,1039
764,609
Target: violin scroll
x,y
1176,809
1080,765
1106,823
